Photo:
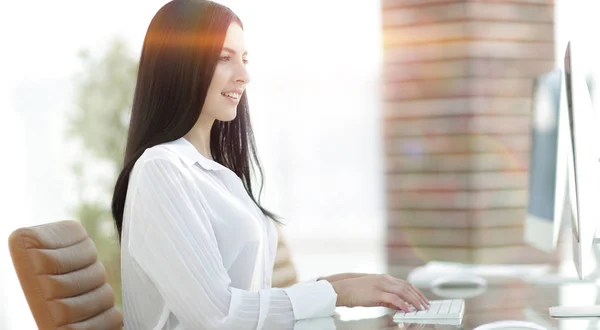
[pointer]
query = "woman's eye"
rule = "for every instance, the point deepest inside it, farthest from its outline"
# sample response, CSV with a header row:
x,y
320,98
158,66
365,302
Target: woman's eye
x,y
227,58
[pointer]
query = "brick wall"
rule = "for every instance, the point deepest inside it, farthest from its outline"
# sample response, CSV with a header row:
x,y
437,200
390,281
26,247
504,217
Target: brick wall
x,y
457,95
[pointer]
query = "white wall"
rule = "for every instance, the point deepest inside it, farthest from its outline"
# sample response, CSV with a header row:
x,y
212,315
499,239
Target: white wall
x,y
315,102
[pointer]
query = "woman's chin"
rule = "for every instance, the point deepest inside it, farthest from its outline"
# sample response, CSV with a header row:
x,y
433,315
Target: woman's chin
x,y
227,115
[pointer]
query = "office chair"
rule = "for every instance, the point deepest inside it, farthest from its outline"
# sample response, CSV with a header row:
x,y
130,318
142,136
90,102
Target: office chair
x,y
63,281
284,271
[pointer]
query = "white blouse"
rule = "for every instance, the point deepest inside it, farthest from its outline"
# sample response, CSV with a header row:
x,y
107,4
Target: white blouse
x,y
197,253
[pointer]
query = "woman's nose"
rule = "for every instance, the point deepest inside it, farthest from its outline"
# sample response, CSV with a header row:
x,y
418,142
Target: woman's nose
x,y
242,74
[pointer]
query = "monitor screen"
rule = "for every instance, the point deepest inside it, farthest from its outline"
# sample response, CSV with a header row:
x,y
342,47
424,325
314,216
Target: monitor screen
x,y
547,162
543,150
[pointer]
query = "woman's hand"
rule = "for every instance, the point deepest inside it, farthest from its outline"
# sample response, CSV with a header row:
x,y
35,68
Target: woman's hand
x,y
342,276
379,290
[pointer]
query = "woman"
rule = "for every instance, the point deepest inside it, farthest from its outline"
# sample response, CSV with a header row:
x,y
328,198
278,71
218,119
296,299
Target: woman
x,y
197,248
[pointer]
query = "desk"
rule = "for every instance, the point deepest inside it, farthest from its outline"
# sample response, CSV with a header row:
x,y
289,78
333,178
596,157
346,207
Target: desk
x,y
513,300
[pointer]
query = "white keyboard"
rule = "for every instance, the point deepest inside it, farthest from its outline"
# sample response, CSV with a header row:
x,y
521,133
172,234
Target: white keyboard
x,y
438,309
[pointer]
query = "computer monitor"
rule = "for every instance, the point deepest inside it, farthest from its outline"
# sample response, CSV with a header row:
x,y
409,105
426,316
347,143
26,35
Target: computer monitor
x,y
564,171
582,208
583,164
547,162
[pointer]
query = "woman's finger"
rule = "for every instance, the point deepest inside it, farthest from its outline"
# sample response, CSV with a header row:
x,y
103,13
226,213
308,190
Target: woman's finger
x,y
387,298
405,293
420,294
423,300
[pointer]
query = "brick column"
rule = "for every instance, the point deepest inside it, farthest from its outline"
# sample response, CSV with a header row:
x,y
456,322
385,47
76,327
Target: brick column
x,y
458,79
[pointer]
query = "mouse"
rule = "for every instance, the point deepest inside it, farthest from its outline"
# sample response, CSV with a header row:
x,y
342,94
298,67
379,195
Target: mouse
x,y
511,325
459,281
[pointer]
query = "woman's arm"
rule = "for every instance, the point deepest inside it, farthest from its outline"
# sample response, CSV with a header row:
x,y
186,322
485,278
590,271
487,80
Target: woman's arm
x,y
178,250
342,276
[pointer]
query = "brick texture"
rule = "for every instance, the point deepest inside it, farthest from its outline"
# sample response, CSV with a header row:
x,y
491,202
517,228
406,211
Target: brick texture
x,y
458,79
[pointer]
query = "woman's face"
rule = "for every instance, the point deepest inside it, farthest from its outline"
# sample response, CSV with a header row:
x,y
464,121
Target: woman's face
x,y
230,78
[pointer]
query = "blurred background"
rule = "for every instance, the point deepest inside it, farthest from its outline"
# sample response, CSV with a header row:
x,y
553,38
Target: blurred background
x,y
392,132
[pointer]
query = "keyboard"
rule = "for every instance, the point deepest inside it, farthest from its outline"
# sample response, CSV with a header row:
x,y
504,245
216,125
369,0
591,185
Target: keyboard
x,y
438,310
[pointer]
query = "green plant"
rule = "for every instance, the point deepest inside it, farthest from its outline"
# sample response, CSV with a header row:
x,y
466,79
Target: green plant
x,y
103,97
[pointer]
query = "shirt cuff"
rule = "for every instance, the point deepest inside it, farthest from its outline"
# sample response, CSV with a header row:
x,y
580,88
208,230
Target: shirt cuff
x,y
312,299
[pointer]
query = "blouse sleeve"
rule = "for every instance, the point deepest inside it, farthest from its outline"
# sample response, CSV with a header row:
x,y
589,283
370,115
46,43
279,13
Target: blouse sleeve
x,y
178,251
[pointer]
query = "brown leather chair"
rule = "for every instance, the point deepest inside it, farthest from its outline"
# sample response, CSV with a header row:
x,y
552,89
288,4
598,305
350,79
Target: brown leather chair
x,y
284,271
64,283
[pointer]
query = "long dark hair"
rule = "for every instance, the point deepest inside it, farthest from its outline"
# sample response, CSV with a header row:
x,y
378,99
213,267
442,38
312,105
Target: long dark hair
x,y
179,56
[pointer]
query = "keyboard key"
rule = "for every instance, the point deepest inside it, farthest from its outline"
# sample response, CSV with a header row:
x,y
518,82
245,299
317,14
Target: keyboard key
x,y
439,310
434,308
456,307
445,307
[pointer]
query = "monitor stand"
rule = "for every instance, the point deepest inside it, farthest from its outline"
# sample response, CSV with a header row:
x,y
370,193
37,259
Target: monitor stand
x,y
583,311
555,278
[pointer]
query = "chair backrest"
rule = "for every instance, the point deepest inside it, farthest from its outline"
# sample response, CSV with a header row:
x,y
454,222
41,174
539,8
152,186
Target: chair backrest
x,y
284,271
63,281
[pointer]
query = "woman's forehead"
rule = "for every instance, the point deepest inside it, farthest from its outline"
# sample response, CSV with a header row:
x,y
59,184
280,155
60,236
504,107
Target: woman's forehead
x,y
234,40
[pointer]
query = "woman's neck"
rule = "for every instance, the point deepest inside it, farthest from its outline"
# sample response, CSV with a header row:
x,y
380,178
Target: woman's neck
x,y
199,136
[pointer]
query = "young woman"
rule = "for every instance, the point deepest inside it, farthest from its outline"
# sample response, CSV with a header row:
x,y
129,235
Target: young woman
x,y
197,248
